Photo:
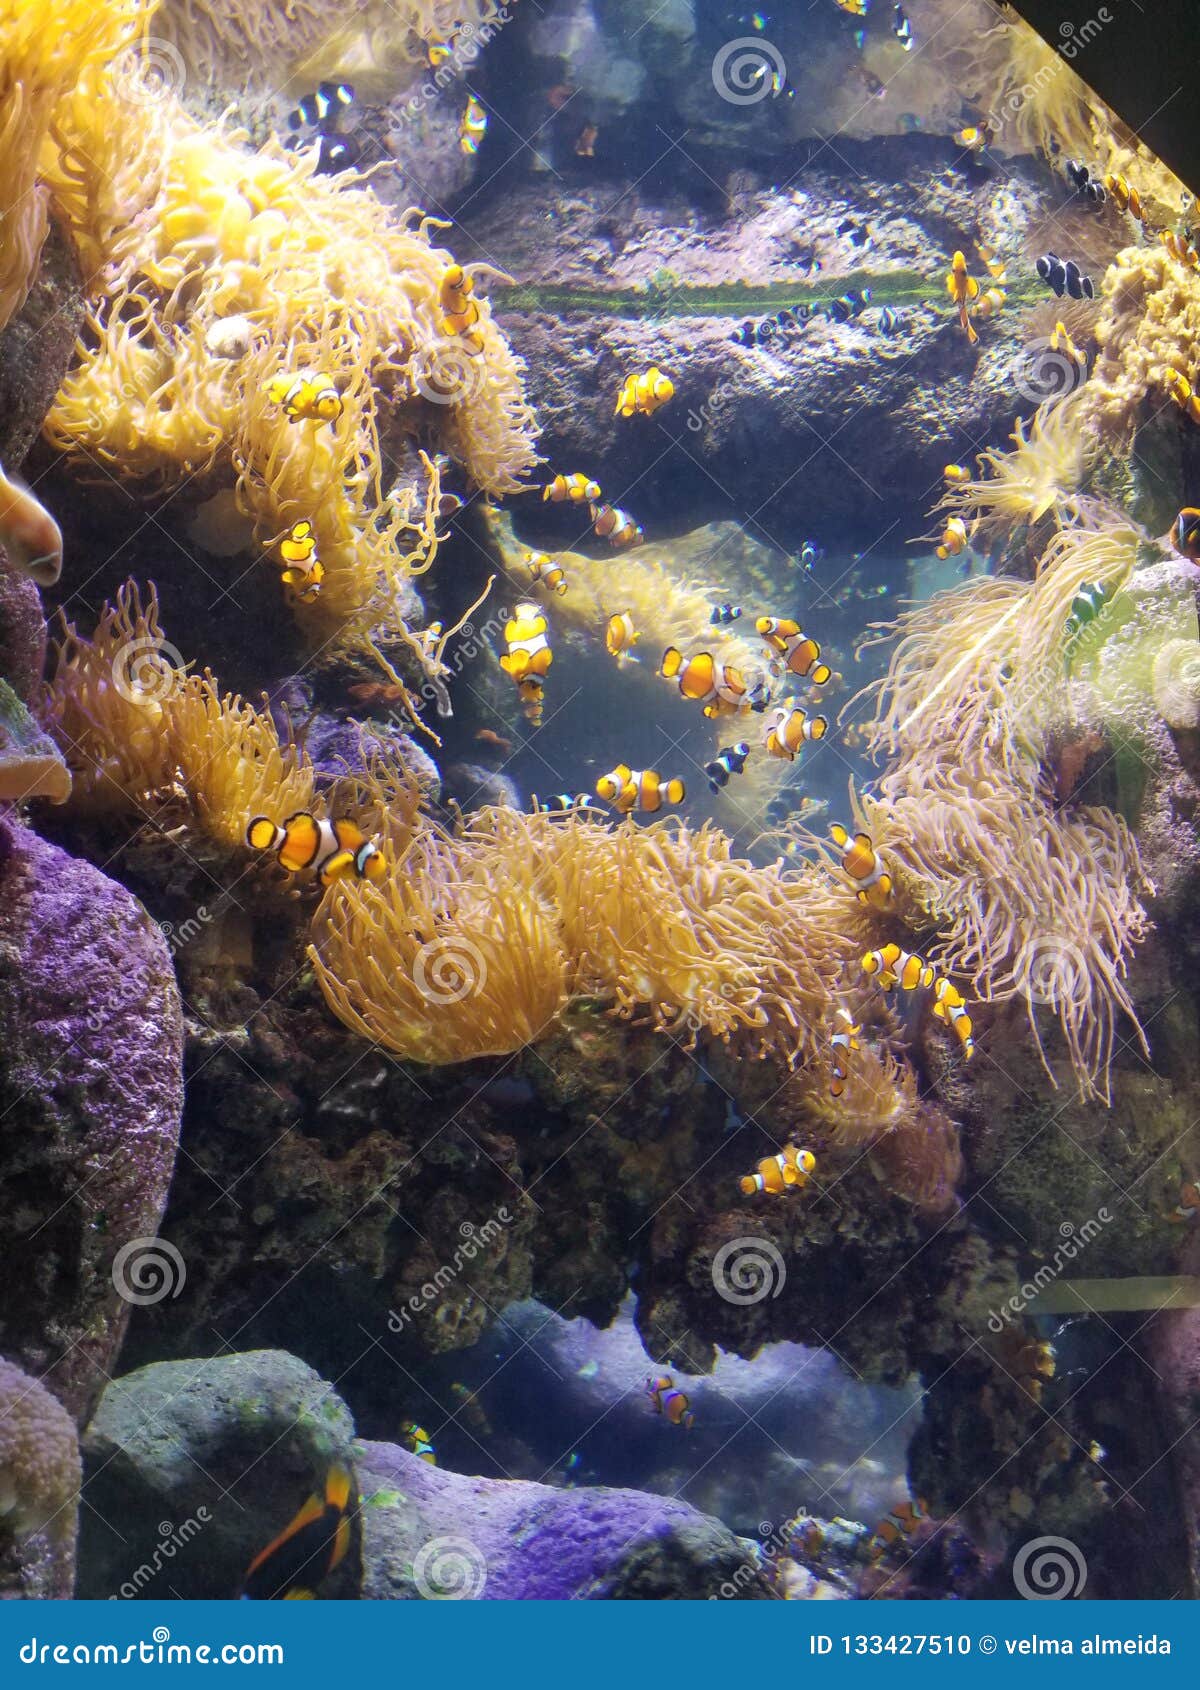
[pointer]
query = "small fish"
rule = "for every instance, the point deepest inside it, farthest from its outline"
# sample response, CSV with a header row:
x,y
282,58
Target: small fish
x,y
561,803
1031,1364
471,1407
336,153
460,311
719,687
1065,278
889,321
325,105
1188,1206
788,728
902,1521
588,1370
1060,341
1084,183
801,655
975,138
1086,606
791,1170
730,760
333,850
1181,249
439,51
546,571
852,228
849,305
842,1043
31,538
585,141
373,695
644,392
559,94
962,288
722,615
617,527
1183,393
532,695
957,473
293,1564
810,555
671,1403
305,571
492,741
1126,198
472,127
864,866
619,635
629,789
949,1006
902,29
306,396
416,1439
575,488
1186,533
527,645
991,302
896,967
954,538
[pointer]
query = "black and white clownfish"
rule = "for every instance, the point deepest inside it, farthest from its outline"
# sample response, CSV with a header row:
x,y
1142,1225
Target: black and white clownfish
x,y
1186,533
629,789
842,1043
324,106
305,571
864,865
721,615
896,967
307,1550
671,1403
416,1439
1065,277
902,29
333,850
801,655
560,803
730,760
719,687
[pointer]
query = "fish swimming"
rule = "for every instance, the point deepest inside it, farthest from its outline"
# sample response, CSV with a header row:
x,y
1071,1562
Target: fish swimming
x,y
1183,393
306,396
810,555
788,728
719,687
544,570
460,311
416,1440
472,127
671,1403
1186,533
562,802
325,104
307,1550
629,789
1065,277
333,850
1188,1206
527,653
1181,249
731,760
575,488
864,866
902,1521
723,614
1086,606
644,393
1126,198
849,305
902,29
975,138
616,526
585,141
889,321
619,636
801,655
957,473
895,967
954,539
305,571
1084,183
962,288
789,1171
31,538
532,694
1060,341
949,1006
842,1043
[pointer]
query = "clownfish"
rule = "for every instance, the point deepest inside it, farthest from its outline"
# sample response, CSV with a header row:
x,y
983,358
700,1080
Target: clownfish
x,y
1186,533
671,1403
334,850
962,288
644,393
1183,393
416,1439
616,526
304,571
790,1170
1126,198
472,127
1060,341
307,1550
324,105
719,687
1030,1363
31,538
950,1006
989,303
528,653
856,8
561,803
954,539
619,635
842,1043
957,473
896,967
975,137
1089,601
1180,248
629,789
1188,1206
902,1521
585,145
307,396
532,694
721,615
730,760
471,1407
1065,277
576,487
788,727
801,655
864,865
546,571
460,312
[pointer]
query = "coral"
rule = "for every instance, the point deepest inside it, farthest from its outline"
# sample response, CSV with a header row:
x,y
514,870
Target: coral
x,y
22,633
1041,476
31,765
39,1475
1149,325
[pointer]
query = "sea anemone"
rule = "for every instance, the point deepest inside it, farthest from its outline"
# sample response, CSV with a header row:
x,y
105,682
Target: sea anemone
x,y
1149,327
40,1473
1041,476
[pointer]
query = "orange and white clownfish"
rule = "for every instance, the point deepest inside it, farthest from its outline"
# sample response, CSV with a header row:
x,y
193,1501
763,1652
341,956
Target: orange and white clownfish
x,y
306,396
974,138
525,636
842,1043
334,850
416,1439
644,393
1183,393
575,488
1186,533
532,694
864,865
460,312
307,1550
719,687
896,967
616,526
901,1522
788,727
472,127
31,538
629,789
801,655
954,538
305,571
1181,250
671,1403
544,570
1188,1206
790,1170
949,1005
1127,198
957,473
962,288
619,636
